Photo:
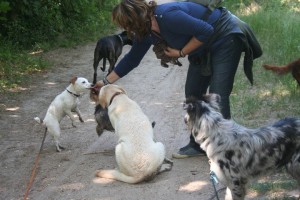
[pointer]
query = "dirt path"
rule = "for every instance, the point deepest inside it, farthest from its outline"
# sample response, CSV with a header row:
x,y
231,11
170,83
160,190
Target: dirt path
x,y
70,174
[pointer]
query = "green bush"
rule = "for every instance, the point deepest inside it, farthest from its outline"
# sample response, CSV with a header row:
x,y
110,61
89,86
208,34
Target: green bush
x,y
30,25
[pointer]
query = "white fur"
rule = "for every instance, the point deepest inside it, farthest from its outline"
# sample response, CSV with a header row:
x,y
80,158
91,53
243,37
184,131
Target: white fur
x,y
64,104
138,156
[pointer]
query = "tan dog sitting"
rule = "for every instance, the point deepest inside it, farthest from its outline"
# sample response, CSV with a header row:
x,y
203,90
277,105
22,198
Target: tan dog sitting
x,y
138,156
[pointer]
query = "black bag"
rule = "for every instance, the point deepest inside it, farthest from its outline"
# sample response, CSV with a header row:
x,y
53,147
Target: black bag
x,y
211,4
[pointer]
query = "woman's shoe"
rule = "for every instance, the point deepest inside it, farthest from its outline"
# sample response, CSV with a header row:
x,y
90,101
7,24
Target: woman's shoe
x,y
188,151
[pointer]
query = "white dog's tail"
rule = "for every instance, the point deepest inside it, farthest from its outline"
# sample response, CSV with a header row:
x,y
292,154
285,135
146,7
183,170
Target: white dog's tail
x,y
40,121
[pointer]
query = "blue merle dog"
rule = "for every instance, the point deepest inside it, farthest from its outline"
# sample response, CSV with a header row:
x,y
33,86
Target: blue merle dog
x,y
238,154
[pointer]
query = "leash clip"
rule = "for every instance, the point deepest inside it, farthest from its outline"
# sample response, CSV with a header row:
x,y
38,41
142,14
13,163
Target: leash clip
x,y
213,177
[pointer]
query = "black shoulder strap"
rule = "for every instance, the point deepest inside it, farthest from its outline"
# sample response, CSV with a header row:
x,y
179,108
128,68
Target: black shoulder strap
x,y
210,4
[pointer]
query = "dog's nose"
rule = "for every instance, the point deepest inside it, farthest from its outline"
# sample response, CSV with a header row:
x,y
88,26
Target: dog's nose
x,y
185,119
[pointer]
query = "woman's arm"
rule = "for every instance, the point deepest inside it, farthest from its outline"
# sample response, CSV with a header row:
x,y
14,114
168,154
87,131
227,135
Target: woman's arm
x,y
193,44
131,60
182,23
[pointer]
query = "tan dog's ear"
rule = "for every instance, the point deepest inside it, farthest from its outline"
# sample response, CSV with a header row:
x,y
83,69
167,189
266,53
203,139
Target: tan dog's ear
x,y
73,80
102,97
121,89
102,102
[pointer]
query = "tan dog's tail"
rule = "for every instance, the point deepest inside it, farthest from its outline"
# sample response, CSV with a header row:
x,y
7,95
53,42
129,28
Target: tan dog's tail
x,y
117,175
38,120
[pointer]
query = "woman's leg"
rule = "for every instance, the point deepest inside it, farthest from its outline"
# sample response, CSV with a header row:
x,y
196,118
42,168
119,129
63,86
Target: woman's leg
x,y
196,85
224,61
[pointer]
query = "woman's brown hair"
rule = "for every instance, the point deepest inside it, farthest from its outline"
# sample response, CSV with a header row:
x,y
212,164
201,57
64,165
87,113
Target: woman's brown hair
x,y
134,16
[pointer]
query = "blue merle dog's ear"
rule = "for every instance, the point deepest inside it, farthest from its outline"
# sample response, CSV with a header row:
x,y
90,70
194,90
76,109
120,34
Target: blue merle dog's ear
x,y
189,104
214,100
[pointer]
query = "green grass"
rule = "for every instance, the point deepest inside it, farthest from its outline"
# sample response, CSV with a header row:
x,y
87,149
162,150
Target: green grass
x,y
274,187
271,97
16,64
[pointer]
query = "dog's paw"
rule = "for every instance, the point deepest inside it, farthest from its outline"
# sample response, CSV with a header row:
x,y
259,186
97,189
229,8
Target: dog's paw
x,y
98,173
60,148
165,65
81,120
73,125
99,130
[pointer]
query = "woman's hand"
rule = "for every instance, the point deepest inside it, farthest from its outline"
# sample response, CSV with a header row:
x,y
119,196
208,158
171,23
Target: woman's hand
x,y
175,53
193,44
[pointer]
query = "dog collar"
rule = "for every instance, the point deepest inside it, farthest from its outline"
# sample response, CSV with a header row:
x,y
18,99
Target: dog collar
x,y
116,94
121,40
76,95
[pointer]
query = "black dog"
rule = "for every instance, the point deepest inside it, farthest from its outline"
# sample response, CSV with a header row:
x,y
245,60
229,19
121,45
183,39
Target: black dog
x,y
102,119
109,47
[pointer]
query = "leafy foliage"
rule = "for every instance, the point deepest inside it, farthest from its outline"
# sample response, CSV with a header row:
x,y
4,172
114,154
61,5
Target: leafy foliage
x,y
29,22
29,26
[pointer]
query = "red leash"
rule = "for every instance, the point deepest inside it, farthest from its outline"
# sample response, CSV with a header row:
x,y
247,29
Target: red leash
x,y
34,168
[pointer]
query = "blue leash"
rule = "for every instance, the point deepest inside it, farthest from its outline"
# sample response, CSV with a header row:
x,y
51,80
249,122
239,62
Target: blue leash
x,y
214,181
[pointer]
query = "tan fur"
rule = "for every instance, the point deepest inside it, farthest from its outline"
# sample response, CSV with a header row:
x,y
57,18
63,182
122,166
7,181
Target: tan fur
x,y
138,156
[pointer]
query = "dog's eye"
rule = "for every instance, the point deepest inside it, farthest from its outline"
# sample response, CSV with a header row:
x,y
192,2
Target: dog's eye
x,y
83,81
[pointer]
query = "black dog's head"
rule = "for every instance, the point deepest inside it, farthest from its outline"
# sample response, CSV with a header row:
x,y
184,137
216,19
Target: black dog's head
x,y
125,39
197,108
102,119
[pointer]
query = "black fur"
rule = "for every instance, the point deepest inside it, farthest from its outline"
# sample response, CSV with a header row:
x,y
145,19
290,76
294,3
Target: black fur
x,y
102,119
109,47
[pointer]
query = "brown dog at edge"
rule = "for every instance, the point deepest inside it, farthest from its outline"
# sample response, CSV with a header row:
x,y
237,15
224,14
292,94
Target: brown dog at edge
x,y
293,67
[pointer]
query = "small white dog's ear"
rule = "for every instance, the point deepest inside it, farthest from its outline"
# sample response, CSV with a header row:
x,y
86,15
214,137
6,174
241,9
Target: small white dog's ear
x,y
73,80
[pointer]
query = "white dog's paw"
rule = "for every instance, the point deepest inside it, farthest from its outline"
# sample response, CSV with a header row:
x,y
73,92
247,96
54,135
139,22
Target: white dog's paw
x,y
73,124
59,148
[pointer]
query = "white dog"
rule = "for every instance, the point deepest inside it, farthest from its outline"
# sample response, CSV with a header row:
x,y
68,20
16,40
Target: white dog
x,y
64,104
138,156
